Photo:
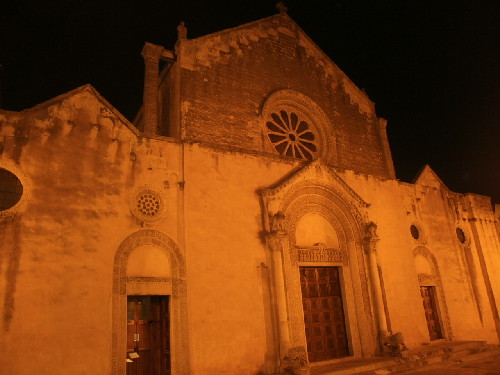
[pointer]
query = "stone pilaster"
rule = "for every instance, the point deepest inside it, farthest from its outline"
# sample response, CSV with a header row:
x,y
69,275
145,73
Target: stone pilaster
x,y
276,242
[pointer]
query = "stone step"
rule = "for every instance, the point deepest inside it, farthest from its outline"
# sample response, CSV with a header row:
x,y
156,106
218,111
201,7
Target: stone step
x,y
485,354
448,367
350,367
433,354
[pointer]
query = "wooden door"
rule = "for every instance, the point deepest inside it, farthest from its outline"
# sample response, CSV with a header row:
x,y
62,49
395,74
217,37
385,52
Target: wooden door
x,y
148,344
323,313
428,294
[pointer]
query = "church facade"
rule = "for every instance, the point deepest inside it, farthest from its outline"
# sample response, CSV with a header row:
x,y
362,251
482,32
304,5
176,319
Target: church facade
x,y
249,221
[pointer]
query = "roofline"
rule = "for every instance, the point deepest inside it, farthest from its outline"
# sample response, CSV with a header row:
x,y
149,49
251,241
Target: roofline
x,y
89,88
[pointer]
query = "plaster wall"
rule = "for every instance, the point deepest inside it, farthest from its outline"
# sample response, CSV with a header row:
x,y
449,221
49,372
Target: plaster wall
x,y
231,321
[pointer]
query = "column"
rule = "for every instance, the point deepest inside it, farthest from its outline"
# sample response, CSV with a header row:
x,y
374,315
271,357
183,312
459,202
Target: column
x,y
276,242
371,241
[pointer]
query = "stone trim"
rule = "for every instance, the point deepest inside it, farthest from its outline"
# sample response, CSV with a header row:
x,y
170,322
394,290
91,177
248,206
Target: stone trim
x,y
174,286
319,254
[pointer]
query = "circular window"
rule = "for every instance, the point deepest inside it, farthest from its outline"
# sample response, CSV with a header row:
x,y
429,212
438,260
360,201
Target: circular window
x,y
148,204
292,135
461,235
11,189
415,233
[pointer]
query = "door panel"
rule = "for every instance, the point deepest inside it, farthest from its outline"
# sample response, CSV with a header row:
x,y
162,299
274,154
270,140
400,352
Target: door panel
x,y
148,343
323,313
428,294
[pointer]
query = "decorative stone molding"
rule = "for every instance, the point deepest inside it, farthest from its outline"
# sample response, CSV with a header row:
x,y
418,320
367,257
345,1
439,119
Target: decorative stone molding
x,y
140,279
148,204
322,254
426,279
150,285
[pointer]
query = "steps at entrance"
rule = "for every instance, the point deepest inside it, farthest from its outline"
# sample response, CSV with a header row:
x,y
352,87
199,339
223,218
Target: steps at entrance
x,y
414,359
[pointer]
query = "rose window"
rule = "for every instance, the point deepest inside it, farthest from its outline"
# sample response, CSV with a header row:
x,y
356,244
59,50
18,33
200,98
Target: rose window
x,y
148,204
291,135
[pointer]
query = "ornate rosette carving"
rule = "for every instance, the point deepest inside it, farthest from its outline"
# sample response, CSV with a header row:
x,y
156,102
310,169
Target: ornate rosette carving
x,y
148,204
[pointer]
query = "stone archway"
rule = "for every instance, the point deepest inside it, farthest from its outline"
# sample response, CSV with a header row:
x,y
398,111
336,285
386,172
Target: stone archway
x,y
429,276
174,285
317,198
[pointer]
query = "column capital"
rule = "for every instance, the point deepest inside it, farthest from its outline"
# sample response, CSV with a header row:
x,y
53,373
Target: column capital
x,y
371,238
275,240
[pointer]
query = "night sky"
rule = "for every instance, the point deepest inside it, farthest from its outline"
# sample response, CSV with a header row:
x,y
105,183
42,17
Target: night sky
x,y
431,67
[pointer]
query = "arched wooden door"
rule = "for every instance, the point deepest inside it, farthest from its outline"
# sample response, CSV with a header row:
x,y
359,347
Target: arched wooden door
x,y
148,341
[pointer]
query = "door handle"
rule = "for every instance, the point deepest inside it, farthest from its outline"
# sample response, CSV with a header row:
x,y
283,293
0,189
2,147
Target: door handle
x,y
136,337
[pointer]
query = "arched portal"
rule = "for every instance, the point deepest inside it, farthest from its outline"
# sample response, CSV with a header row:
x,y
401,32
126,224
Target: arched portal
x,y
325,241
149,264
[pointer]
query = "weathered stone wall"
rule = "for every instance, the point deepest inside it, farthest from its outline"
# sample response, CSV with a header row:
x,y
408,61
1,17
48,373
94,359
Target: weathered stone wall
x,y
79,162
465,309
227,76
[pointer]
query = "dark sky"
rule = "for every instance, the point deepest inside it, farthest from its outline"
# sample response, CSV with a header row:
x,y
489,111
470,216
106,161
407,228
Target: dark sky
x,y
431,67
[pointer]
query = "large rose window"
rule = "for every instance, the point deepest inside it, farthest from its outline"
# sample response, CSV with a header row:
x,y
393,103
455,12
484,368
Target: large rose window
x,y
291,135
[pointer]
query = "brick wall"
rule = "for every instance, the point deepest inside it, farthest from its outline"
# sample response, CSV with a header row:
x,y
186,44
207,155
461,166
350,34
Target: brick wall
x,y
227,76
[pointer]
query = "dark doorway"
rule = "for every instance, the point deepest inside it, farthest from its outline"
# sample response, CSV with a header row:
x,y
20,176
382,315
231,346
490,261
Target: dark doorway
x,y
323,313
148,335
428,294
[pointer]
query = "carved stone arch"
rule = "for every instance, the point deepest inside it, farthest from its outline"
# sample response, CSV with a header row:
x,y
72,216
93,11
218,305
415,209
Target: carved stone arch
x,y
309,110
332,198
435,280
175,286
316,197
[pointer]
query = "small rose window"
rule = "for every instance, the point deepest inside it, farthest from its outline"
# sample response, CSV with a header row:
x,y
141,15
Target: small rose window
x,y
292,135
148,204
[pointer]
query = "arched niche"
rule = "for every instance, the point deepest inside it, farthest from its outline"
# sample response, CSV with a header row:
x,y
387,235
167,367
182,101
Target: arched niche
x,y
148,261
313,228
422,265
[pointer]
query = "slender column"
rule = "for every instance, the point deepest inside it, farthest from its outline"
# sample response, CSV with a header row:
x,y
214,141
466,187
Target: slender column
x,y
371,241
276,240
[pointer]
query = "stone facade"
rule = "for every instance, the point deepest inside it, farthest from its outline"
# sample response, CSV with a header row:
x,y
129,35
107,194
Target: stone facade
x,y
253,159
